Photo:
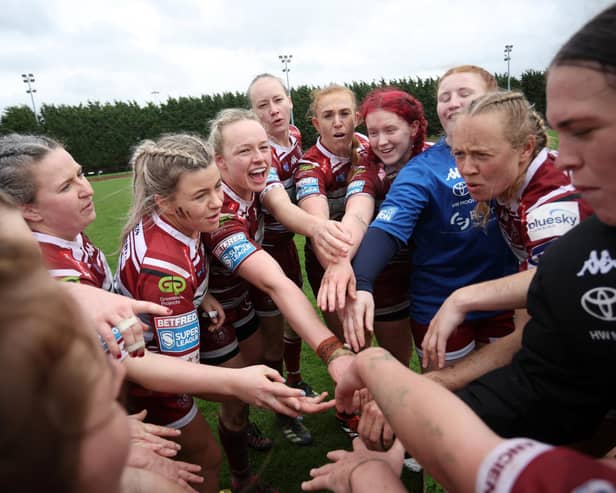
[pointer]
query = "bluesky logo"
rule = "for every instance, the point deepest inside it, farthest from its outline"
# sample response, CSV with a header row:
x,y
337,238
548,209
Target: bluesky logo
x,y
551,220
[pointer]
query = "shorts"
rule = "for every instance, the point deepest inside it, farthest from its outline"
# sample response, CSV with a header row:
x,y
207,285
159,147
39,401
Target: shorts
x,y
172,410
314,271
223,344
462,341
285,253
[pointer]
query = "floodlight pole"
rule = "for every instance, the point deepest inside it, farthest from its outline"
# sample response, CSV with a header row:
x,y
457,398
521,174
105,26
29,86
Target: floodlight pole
x,y
29,79
286,59
508,49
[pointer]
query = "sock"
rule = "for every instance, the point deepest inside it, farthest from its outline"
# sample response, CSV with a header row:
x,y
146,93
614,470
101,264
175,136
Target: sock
x,y
292,351
235,445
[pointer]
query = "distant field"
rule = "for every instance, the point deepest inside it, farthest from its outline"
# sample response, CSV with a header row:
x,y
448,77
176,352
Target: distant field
x,y
285,465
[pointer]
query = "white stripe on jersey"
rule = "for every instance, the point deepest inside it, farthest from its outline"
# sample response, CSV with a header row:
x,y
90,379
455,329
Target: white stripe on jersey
x,y
154,262
64,272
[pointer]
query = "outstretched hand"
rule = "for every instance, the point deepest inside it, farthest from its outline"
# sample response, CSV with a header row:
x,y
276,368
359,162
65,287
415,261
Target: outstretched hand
x,y
331,240
336,476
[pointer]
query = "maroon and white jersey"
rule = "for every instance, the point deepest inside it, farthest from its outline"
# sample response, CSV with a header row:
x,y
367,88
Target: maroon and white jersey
x,y
546,207
521,465
284,163
239,235
322,173
75,261
158,263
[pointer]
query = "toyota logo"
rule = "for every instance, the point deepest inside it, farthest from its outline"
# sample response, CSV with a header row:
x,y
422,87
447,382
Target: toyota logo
x,y
459,189
600,303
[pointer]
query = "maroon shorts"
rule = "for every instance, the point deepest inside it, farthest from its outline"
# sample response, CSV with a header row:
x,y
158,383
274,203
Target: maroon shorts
x,y
172,410
285,253
463,340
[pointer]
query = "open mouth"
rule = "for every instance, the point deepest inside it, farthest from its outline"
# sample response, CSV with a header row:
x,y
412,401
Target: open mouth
x,y
258,173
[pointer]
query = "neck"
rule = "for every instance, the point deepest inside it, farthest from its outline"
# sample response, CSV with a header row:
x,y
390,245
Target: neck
x,y
283,139
64,235
177,224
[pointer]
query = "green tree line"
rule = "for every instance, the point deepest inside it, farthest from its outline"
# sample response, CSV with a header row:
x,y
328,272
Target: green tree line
x,y
100,136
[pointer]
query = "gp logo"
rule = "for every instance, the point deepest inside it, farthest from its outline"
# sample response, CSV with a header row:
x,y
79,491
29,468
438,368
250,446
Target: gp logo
x,y
600,303
171,284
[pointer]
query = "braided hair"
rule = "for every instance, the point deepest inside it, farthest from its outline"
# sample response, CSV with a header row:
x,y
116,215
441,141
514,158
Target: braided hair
x,y
157,167
520,123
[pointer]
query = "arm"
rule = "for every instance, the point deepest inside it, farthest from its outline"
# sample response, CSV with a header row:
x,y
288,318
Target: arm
x,y
263,272
327,236
375,251
256,385
505,293
426,418
339,280
107,310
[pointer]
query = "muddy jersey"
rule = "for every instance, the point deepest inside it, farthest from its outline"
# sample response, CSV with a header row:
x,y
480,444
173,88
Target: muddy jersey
x,y
546,207
75,261
239,236
521,465
321,172
158,263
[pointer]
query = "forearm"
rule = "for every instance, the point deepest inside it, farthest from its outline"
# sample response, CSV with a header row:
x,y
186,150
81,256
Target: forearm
x,y
487,358
292,217
505,293
376,249
428,420
162,373
357,216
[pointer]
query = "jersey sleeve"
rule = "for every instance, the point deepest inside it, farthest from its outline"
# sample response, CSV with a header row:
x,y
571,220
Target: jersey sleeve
x,y
363,180
310,180
231,243
273,177
406,200
519,465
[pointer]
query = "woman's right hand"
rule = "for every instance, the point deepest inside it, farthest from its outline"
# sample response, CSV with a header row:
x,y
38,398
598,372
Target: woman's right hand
x,y
449,316
338,282
262,386
358,318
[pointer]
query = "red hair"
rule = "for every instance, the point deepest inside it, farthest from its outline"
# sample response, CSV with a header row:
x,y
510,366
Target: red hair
x,y
400,103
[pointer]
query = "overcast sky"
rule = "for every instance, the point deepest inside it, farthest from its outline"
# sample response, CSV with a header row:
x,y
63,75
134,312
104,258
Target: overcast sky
x,y
81,50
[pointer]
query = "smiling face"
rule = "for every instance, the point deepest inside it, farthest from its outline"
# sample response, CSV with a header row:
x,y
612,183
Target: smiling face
x,y
246,157
391,137
454,92
582,109
487,161
273,106
195,205
63,205
335,119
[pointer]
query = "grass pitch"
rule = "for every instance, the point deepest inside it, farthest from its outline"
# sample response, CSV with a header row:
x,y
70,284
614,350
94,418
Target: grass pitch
x,y
285,465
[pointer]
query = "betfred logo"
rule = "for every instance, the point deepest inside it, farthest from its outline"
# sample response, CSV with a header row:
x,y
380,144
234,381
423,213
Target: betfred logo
x,y
550,220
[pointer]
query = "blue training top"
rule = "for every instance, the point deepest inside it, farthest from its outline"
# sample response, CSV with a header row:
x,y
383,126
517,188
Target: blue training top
x,y
429,202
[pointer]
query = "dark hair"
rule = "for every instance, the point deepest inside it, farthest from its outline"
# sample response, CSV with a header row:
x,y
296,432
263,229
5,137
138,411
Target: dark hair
x,y
594,44
400,103
18,156
46,375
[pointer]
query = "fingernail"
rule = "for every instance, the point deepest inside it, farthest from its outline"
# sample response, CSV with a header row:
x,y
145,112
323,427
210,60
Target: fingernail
x,y
119,356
